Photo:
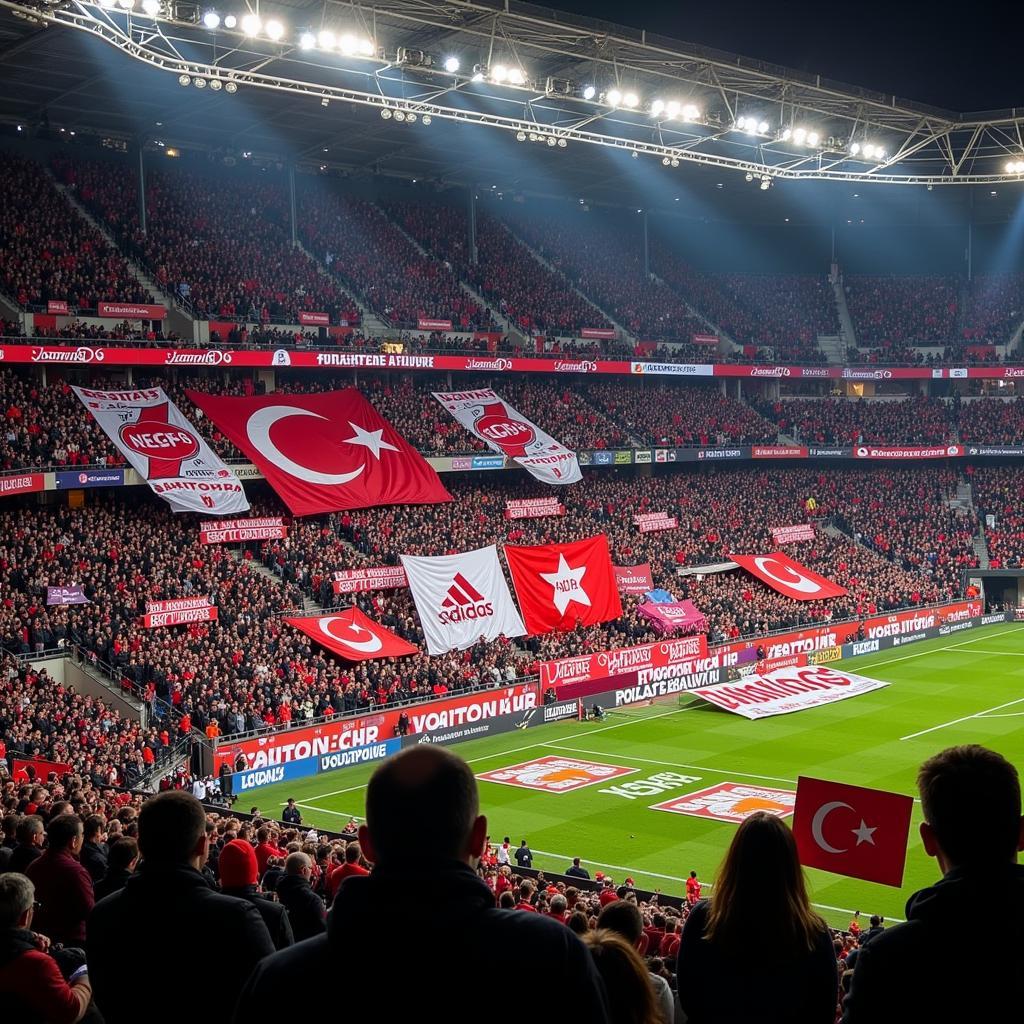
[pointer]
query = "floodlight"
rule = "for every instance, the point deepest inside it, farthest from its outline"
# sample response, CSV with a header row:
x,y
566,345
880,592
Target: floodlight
x,y
348,44
385,113
499,73
230,21
184,80
614,97
251,24
657,107
127,4
516,76
800,136
399,115
199,83
630,100
151,7
691,113
275,30
231,87
812,138
427,119
365,47
451,65
211,19
672,108
520,136
562,144
589,92
327,39
762,127
855,149
216,84
552,141
307,41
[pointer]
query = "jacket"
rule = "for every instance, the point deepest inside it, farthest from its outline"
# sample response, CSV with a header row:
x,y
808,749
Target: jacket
x,y
275,916
164,911
457,933
94,860
716,988
962,945
32,990
113,880
306,910
65,895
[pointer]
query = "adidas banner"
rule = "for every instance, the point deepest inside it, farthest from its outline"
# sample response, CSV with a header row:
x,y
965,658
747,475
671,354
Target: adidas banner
x,y
461,598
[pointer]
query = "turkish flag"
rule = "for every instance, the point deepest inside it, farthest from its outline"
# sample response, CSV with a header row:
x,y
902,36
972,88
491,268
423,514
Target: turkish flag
x,y
560,585
791,578
852,831
325,452
353,636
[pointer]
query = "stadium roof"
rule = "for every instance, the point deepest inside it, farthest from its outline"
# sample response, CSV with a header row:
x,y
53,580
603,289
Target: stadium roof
x,y
59,67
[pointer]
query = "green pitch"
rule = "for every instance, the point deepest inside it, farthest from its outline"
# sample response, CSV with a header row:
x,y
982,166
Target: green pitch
x,y
965,688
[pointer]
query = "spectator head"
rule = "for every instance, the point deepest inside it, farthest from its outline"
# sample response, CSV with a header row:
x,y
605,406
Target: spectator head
x,y
94,826
761,892
64,834
172,831
525,891
558,904
298,864
30,830
237,865
10,826
578,922
876,921
506,901
623,918
353,852
575,862
970,797
626,980
17,896
123,854
426,799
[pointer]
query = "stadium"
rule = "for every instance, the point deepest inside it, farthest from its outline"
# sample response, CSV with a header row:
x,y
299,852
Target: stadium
x,y
516,491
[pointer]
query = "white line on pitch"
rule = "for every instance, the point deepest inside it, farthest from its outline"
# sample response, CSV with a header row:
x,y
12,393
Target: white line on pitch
x,y
966,718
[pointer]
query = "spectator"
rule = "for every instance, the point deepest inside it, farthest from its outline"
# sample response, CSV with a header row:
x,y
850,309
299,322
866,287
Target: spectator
x,y
63,886
94,849
291,815
631,997
425,799
122,859
306,910
524,855
758,934
625,920
32,988
575,871
30,832
970,799
236,866
349,869
169,902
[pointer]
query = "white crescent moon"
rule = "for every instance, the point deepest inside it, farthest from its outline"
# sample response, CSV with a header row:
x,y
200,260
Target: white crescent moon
x,y
819,820
370,646
803,584
258,431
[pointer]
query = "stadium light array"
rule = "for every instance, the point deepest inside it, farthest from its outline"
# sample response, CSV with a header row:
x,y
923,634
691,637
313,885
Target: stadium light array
x,y
211,19
1015,167
752,125
613,97
869,150
451,65
801,136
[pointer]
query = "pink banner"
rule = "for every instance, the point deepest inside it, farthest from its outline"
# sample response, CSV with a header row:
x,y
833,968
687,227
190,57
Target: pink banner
x,y
354,581
705,339
788,534
178,611
633,579
651,522
533,508
314,319
58,306
681,616
232,531
426,324
864,451
130,311
606,333
589,667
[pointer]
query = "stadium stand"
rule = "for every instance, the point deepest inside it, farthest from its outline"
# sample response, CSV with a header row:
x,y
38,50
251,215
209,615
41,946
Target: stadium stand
x,y
919,310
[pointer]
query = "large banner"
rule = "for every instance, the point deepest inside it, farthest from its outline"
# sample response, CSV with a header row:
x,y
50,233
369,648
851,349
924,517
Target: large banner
x,y
22,483
670,616
561,586
353,636
789,534
344,734
662,655
461,599
533,508
233,531
487,416
652,522
325,452
178,611
796,581
355,581
788,690
633,579
165,449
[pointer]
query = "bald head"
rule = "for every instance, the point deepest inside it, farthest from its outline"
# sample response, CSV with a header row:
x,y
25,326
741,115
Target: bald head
x,y
424,798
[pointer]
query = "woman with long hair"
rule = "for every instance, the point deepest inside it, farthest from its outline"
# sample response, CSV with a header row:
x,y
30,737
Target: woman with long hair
x,y
757,951
626,979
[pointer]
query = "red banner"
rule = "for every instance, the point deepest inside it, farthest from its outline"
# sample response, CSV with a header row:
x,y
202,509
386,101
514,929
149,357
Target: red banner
x,y
778,451
705,339
633,579
178,611
42,767
355,581
789,534
903,623
605,333
864,451
781,573
428,324
587,668
58,306
353,636
232,531
22,483
130,311
533,508
310,741
307,319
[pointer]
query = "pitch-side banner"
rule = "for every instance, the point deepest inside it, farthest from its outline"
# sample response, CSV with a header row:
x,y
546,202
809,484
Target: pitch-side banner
x,y
232,531
461,598
787,690
665,654
791,578
165,449
487,416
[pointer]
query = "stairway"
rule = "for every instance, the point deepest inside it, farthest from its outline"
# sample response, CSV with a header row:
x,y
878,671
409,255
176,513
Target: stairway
x,y
831,346
981,549
847,334
372,325
713,328
178,319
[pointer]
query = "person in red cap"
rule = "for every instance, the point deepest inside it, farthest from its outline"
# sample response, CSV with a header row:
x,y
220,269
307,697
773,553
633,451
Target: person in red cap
x,y
238,874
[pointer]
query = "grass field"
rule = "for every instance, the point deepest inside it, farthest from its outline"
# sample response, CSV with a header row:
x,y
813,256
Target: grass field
x,y
942,692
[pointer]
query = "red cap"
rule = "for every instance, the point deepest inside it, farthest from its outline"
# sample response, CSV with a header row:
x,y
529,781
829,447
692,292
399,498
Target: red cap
x,y
237,865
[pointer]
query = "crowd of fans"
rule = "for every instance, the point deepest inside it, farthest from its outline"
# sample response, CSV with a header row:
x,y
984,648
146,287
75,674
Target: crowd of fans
x,y
50,253
917,310
998,491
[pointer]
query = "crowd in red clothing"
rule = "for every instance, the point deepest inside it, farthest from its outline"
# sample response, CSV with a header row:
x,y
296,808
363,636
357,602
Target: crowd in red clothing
x,y
850,421
999,491
992,420
918,309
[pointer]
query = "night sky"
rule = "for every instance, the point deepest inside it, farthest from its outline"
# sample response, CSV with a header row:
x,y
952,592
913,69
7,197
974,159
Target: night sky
x,y
960,56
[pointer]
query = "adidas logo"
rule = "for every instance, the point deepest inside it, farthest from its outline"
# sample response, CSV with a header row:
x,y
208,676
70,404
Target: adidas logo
x,y
463,602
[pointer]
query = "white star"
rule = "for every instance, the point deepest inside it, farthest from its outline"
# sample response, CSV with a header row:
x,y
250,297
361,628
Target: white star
x,y
372,439
567,585
864,833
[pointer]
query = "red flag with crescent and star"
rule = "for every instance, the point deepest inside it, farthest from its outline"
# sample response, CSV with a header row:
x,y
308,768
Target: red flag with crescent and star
x,y
325,452
561,585
853,831
353,636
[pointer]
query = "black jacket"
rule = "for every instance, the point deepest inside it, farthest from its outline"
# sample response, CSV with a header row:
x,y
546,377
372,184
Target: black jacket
x,y
165,911
22,857
274,915
715,988
306,910
958,957
111,882
456,933
94,860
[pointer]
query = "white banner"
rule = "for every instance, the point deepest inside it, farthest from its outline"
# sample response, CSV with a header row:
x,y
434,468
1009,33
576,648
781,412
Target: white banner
x,y
165,449
787,690
461,598
487,416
